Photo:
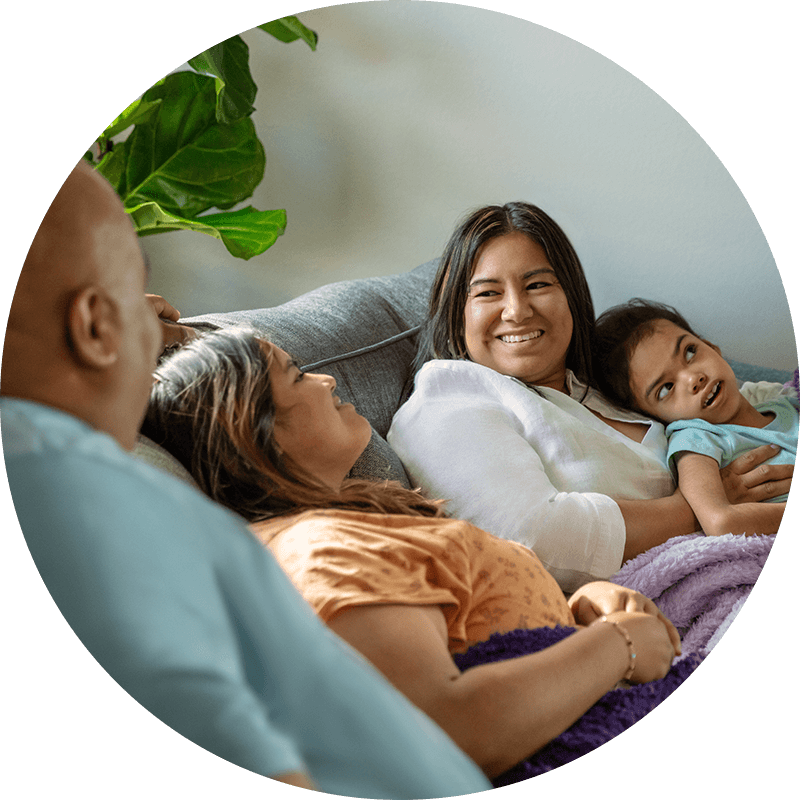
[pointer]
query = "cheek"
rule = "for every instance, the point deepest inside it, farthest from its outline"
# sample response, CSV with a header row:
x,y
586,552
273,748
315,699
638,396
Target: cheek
x,y
563,314
475,320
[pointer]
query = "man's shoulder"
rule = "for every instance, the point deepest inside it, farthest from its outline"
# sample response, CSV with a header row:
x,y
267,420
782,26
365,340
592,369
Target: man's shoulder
x,y
54,458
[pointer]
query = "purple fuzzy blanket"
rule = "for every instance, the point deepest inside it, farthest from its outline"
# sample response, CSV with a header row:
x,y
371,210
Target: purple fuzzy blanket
x,y
698,582
794,383
613,713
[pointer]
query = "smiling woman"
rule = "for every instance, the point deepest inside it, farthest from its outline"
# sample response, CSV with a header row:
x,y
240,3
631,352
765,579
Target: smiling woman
x,y
506,420
484,266
517,319
259,435
320,434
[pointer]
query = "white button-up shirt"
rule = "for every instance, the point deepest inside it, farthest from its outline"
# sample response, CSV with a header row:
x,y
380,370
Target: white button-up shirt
x,y
533,465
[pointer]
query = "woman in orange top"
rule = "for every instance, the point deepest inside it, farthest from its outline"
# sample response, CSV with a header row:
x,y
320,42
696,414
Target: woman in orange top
x,y
382,565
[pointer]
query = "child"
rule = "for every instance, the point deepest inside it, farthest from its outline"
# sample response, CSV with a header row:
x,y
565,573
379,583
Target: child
x,y
650,360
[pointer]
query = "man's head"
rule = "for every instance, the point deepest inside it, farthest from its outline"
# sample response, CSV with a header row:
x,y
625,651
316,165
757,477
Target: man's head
x,y
81,335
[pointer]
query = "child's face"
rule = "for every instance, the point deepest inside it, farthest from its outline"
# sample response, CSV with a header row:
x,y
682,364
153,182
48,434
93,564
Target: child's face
x,y
674,375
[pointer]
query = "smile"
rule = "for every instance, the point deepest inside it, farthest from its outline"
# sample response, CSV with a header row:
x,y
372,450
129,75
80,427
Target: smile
x,y
339,405
713,394
526,337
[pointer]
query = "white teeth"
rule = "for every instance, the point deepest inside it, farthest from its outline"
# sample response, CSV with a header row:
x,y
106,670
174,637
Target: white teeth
x,y
526,337
712,396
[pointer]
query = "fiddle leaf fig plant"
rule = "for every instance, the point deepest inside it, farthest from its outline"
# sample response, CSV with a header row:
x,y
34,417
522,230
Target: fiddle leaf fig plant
x,y
191,147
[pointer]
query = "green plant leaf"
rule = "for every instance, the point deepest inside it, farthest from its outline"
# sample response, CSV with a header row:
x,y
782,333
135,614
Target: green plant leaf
x,y
289,29
228,63
137,112
193,147
183,159
245,233
113,166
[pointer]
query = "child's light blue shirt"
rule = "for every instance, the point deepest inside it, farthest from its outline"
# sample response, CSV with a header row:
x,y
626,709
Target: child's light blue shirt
x,y
195,619
724,443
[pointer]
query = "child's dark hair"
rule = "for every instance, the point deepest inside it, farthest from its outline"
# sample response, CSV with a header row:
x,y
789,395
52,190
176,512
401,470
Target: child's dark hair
x,y
617,333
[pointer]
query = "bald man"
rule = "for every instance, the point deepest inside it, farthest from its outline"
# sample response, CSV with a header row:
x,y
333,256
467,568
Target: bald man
x,y
169,592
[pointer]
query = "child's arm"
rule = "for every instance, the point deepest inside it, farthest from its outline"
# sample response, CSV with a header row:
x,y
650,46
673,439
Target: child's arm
x,y
700,483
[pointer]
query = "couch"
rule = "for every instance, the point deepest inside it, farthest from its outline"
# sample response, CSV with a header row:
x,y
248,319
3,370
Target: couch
x,y
364,333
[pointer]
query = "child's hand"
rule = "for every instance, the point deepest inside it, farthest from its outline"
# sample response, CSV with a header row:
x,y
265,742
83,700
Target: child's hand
x,y
602,598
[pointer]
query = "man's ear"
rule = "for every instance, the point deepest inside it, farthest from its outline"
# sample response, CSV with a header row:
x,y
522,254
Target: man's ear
x,y
93,328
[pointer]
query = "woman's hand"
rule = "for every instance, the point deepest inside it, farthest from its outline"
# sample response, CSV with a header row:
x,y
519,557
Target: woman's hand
x,y
601,598
748,479
168,316
653,647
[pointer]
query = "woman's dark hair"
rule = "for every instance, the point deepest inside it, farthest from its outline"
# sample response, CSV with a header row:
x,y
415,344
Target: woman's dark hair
x,y
617,333
442,335
211,407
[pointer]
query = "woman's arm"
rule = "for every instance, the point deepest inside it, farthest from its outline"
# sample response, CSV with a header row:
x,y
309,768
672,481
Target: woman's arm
x,y
701,484
652,522
503,712
173,332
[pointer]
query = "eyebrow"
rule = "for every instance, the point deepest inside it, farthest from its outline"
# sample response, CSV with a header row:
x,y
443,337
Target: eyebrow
x,y
292,362
525,277
660,378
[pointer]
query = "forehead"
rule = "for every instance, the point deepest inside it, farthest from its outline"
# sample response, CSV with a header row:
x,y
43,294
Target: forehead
x,y
659,333
654,351
272,353
510,253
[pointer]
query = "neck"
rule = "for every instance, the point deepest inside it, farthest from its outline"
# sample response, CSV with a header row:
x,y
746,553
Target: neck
x,y
557,382
62,386
749,417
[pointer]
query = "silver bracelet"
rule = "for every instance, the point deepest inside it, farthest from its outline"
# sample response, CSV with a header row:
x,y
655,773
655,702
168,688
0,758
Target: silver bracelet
x,y
628,641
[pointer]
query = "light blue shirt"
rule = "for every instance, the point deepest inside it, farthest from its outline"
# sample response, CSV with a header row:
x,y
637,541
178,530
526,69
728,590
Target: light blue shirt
x,y
724,443
193,617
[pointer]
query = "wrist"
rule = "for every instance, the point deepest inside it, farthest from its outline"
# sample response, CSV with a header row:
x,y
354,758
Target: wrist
x,y
621,631
683,513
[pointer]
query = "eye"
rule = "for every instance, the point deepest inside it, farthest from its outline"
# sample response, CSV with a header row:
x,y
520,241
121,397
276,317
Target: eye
x,y
538,285
691,352
485,293
663,391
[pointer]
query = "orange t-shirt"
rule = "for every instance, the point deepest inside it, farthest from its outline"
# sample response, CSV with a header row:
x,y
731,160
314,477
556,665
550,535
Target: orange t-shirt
x,y
484,585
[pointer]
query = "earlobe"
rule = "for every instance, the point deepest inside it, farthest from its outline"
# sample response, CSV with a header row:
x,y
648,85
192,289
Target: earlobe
x,y
93,328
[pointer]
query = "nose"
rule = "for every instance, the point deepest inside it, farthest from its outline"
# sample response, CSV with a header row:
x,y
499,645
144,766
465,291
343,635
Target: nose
x,y
695,380
325,380
516,306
